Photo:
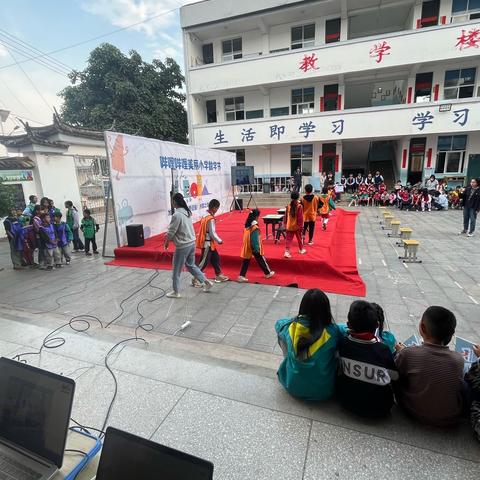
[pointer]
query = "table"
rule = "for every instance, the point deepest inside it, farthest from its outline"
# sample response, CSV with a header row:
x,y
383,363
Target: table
x,y
281,211
272,220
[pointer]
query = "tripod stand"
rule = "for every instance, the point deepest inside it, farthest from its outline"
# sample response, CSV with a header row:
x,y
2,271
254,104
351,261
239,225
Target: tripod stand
x,y
251,198
235,205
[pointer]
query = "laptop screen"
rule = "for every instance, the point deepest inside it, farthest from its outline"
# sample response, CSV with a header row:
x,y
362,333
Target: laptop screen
x,y
126,457
35,408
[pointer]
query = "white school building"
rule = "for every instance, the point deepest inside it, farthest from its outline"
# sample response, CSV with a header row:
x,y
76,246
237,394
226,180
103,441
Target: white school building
x,y
346,86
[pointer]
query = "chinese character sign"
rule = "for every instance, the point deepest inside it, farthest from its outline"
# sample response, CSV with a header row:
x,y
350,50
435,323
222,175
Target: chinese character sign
x,y
379,50
306,128
461,116
421,119
248,134
277,131
309,62
338,126
220,138
469,39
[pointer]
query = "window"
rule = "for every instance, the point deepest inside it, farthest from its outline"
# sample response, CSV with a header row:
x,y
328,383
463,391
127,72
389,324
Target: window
x,y
211,107
231,49
459,83
332,30
279,111
464,6
303,36
423,87
301,156
240,154
234,109
303,100
254,114
207,51
330,98
451,154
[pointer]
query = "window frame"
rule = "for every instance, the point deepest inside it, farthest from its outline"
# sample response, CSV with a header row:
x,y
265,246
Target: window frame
x,y
459,87
306,106
238,113
304,156
232,54
444,153
302,43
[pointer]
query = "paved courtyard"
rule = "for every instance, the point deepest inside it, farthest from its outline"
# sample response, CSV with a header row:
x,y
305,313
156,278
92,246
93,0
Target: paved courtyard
x,y
212,390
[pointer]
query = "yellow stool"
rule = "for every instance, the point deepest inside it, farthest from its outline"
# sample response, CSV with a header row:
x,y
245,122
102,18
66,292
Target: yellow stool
x,y
387,219
382,210
405,234
411,249
395,226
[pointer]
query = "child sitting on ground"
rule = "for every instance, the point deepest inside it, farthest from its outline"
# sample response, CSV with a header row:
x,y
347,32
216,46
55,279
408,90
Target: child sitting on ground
x,y
309,343
431,382
353,200
367,367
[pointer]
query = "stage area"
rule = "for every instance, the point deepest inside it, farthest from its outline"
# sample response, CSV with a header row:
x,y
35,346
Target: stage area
x,y
330,264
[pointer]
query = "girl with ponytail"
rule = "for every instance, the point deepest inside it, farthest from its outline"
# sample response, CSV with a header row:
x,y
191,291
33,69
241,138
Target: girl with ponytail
x,y
293,224
181,232
252,247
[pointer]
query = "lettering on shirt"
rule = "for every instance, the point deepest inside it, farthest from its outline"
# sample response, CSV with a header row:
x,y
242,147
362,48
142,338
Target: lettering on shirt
x,y
367,372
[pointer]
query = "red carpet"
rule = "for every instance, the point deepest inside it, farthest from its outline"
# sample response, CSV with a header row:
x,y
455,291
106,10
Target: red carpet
x,y
330,264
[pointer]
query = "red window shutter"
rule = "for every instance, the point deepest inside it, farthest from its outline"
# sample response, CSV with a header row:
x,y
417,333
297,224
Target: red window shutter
x,y
404,158
320,163
429,158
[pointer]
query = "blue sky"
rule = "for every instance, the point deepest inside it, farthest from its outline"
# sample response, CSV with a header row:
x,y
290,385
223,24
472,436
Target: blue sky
x,y
53,24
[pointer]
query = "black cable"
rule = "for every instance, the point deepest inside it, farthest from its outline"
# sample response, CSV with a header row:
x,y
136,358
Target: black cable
x,y
73,450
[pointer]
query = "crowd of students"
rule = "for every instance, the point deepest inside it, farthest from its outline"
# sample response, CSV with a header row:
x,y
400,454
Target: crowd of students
x,y
40,238
368,371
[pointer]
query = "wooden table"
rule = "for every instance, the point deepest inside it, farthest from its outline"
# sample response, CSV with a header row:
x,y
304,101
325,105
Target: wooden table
x,y
272,220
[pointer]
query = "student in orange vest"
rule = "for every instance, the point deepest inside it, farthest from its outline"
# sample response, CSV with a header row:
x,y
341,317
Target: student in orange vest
x,y
293,221
310,208
253,247
207,241
327,204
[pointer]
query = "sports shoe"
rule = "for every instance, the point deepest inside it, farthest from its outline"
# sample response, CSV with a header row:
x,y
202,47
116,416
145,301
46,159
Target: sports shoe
x,y
96,252
221,278
207,285
270,275
463,232
67,262
196,283
470,234
310,243
58,265
173,295
287,255
302,251
88,254
241,279
49,267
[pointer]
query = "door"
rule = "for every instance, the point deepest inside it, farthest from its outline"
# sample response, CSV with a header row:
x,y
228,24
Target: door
x,y
423,87
430,11
330,93
329,155
207,51
416,160
211,106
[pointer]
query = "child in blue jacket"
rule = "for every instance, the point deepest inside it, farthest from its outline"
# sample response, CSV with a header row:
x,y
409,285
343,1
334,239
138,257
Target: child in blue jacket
x,y
64,235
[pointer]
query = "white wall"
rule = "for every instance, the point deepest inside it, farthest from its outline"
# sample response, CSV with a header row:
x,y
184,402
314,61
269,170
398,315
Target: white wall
x,y
58,178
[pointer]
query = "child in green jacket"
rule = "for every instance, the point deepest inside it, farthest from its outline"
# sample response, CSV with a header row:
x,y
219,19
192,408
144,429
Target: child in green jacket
x,y
89,227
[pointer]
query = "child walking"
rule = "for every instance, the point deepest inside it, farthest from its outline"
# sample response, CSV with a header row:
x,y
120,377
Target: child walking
x,y
64,235
50,241
182,234
293,221
310,209
253,247
327,205
207,241
89,227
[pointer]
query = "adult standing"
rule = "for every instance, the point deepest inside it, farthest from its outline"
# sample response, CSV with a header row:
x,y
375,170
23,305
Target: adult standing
x,y
73,221
323,179
182,234
431,184
471,206
358,181
297,177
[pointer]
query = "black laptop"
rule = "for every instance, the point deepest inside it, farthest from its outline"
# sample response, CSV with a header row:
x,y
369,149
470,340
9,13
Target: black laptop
x,y
127,457
35,407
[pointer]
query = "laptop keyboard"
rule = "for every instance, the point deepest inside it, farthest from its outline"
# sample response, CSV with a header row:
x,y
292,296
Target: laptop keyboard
x,y
10,469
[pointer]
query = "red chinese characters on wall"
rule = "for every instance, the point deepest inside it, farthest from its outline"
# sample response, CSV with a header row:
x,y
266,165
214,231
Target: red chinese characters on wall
x,y
379,50
469,39
309,62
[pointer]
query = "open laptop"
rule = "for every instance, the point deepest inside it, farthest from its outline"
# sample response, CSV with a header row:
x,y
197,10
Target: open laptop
x,y
35,407
127,457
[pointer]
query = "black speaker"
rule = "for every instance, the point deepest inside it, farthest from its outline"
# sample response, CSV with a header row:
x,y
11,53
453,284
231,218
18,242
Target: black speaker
x,y
135,235
239,204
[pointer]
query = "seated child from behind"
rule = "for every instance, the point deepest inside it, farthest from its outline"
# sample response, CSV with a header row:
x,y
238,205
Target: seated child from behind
x,y
431,375
367,367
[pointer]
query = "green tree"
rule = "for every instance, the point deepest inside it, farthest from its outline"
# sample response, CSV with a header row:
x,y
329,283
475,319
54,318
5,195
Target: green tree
x,y
7,199
135,96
